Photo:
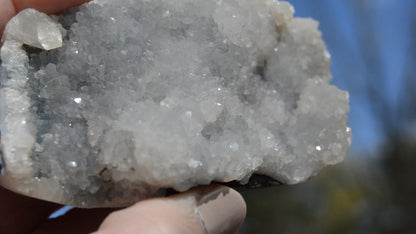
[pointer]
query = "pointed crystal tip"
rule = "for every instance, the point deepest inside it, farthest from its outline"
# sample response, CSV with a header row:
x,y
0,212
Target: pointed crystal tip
x,y
34,28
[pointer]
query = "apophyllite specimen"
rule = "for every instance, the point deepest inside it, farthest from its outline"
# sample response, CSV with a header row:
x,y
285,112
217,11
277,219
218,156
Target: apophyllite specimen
x,y
116,101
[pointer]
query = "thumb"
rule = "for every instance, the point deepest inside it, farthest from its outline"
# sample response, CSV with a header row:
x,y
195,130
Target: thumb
x,y
206,209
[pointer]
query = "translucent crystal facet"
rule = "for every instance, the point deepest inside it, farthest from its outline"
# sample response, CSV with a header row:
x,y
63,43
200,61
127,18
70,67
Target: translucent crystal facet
x,y
34,28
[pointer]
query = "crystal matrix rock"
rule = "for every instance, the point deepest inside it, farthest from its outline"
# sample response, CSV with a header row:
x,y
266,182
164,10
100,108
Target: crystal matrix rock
x,y
149,95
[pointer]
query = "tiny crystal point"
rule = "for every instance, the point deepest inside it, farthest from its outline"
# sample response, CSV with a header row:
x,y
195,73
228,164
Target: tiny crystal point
x,y
33,28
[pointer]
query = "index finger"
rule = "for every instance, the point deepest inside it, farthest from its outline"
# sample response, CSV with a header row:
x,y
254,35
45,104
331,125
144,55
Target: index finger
x,y
7,11
8,8
46,6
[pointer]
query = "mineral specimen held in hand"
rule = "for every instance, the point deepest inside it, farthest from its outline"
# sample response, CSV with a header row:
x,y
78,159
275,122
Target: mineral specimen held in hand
x,y
148,95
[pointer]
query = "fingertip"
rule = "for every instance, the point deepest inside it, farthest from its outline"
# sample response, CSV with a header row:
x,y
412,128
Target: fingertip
x,y
47,6
206,209
221,210
7,11
152,216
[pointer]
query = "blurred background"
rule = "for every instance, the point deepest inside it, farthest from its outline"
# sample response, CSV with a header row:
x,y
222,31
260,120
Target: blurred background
x,y
373,48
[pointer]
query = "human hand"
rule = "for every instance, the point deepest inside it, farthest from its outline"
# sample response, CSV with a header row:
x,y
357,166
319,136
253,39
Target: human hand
x,y
206,209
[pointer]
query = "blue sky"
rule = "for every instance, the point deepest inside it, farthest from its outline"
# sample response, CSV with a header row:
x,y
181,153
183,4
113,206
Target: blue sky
x,y
338,23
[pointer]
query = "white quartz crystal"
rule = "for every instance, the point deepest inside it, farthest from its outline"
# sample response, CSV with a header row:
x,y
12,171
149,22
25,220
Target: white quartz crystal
x,y
34,28
141,96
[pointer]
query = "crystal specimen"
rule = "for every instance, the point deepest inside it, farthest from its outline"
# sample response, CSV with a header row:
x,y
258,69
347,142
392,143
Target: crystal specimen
x,y
149,95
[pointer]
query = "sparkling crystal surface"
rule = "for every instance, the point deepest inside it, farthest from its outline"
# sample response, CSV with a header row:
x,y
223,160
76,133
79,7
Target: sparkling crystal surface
x,y
148,95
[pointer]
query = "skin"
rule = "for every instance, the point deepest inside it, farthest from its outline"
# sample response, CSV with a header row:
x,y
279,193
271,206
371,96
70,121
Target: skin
x,y
173,214
167,215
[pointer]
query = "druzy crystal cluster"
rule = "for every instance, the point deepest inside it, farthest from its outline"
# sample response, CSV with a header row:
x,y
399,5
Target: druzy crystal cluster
x,y
116,101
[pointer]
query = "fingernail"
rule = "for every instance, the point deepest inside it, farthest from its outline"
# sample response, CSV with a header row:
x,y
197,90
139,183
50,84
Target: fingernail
x,y
220,209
